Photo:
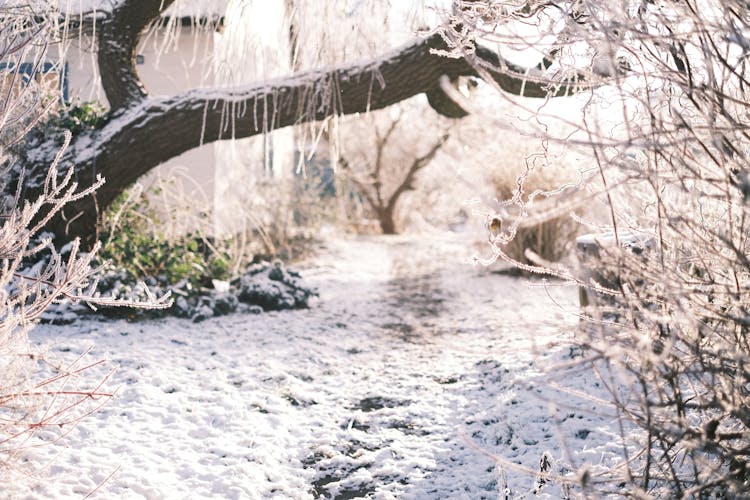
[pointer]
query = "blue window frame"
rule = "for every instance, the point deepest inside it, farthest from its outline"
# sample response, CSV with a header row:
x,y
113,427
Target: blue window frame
x,y
26,70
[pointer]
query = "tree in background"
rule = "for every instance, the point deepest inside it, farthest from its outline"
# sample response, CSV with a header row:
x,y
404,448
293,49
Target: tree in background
x,y
382,156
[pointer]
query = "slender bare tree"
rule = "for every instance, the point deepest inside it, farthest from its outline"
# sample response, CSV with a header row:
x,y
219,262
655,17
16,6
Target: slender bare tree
x,y
385,165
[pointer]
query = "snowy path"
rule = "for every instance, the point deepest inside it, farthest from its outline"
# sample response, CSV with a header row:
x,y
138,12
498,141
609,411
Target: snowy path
x,y
409,373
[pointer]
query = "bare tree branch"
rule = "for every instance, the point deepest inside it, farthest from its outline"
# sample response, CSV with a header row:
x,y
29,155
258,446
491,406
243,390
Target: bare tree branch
x,y
381,140
418,164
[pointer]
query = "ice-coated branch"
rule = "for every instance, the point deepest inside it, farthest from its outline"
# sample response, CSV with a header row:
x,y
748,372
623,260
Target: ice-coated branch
x,y
144,131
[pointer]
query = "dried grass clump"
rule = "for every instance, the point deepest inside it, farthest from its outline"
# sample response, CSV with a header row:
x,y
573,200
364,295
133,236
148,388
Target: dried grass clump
x,y
550,238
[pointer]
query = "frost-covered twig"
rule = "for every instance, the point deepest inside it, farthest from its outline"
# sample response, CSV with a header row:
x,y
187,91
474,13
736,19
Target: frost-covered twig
x,y
35,393
668,145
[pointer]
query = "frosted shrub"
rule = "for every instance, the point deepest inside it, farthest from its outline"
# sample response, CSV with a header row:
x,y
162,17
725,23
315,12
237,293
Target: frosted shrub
x,y
549,238
37,394
662,112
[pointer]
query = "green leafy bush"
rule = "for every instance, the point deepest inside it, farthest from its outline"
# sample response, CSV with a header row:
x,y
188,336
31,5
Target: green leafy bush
x,y
81,116
134,243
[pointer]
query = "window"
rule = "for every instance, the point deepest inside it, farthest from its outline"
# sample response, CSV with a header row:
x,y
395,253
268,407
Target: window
x,y
48,75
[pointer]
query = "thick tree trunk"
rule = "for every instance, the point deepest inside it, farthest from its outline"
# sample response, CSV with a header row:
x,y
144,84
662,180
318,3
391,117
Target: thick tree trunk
x,y
116,52
387,224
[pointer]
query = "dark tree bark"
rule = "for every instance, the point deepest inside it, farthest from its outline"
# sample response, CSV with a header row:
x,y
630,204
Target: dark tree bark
x,y
387,222
142,131
387,211
116,50
372,188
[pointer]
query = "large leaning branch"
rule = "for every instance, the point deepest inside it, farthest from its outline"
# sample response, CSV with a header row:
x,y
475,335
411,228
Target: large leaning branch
x,y
144,131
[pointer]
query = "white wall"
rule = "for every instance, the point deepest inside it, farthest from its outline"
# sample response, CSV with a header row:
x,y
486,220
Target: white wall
x,y
185,65
253,47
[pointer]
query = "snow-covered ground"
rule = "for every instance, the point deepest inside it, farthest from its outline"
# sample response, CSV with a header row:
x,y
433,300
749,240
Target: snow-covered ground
x,y
415,375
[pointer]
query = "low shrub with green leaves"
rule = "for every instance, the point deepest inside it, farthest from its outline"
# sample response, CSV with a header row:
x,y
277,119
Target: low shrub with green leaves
x,y
80,116
134,243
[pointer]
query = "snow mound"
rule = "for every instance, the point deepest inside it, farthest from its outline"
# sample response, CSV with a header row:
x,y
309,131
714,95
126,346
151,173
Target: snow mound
x,y
263,287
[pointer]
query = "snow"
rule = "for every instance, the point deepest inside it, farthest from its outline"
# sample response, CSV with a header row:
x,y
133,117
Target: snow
x,y
180,8
197,8
415,375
